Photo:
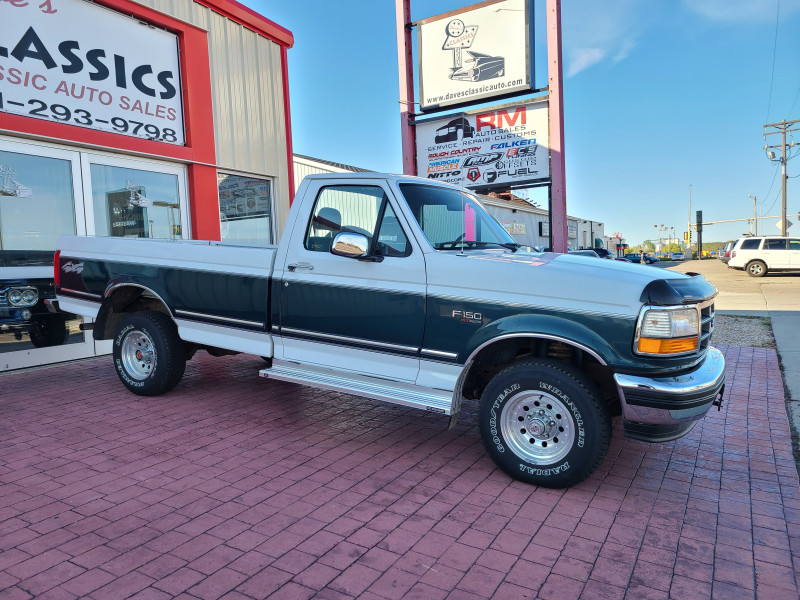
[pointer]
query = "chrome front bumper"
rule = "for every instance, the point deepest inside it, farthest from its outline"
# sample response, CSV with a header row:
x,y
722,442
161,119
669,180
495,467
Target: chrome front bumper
x,y
665,408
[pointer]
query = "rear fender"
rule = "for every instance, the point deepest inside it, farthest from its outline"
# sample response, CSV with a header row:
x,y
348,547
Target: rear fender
x,y
121,295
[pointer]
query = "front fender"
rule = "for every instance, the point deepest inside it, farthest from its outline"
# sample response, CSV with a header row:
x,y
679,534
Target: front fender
x,y
544,326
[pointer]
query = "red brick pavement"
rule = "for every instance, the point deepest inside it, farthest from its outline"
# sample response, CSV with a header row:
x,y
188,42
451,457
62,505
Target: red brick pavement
x,y
239,487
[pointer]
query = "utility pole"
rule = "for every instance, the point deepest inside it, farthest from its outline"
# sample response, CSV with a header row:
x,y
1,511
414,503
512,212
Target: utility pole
x,y
755,217
689,225
783,128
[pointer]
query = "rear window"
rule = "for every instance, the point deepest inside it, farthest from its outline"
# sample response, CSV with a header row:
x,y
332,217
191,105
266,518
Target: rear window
x,y
750,244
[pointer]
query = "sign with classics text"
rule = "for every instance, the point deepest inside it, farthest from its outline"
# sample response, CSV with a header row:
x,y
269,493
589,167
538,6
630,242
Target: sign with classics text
x,y
495,147
74,62
475,53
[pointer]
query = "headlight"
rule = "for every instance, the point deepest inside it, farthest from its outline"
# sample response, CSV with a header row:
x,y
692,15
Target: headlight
x,y
667,331
26,296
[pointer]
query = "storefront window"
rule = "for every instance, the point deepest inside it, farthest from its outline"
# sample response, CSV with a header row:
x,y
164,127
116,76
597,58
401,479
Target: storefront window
x,y
134,203
36,206
245,210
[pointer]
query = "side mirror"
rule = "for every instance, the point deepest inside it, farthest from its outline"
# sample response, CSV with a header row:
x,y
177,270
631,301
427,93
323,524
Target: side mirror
x,y
350,245
353,245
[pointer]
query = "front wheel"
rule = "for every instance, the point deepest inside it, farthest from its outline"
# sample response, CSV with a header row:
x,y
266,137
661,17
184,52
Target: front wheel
x,y
756,269
48,330
149,356
544,423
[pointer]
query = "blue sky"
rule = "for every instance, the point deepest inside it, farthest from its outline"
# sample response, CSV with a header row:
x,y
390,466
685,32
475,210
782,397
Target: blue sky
x,y
659,95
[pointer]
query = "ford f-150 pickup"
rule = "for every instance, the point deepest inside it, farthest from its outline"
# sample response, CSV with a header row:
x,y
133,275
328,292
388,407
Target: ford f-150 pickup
x,y
408,291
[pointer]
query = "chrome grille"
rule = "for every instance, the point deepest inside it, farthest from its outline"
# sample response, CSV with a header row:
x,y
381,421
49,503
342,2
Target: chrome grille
x,y
706,324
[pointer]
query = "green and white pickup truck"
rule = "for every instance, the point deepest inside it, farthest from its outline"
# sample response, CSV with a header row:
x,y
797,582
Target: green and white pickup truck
x,y
408,291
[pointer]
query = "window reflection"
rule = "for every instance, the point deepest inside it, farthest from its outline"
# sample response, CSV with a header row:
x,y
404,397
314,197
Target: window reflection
x,y
244,210
134,203
36,206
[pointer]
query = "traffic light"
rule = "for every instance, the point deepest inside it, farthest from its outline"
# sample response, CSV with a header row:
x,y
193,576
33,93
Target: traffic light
x,y
685,237
699,221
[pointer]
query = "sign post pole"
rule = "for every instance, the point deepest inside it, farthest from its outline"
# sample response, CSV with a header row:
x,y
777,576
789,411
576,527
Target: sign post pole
x,y
558,201
405,68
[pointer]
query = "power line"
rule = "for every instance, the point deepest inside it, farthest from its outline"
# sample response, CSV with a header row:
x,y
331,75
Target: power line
x,y
796,96
774,52
771,185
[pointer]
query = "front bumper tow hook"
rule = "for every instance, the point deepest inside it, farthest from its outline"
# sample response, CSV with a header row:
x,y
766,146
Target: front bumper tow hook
x,y
718,400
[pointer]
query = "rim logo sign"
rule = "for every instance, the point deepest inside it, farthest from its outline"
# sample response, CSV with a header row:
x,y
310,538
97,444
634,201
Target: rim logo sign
x,y
473,174
480,160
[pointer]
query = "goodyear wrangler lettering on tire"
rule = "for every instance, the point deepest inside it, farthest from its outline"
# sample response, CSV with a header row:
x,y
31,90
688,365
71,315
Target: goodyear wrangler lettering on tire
x,y
493,419
543,422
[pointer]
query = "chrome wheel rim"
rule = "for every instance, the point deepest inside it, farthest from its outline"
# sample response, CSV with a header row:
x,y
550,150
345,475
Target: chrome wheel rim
x,y
755,269
538,427
138,355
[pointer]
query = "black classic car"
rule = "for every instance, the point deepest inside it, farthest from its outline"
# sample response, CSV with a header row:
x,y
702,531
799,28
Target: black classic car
x,y
22,306
481,67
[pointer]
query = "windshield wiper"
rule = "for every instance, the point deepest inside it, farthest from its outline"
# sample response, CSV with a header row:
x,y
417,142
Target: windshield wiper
x,y
455,245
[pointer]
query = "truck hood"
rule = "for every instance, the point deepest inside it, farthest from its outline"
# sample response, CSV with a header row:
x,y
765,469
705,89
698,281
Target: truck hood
x,y
577,283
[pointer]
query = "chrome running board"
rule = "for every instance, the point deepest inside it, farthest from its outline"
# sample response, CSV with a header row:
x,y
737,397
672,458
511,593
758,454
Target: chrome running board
x,y
406,394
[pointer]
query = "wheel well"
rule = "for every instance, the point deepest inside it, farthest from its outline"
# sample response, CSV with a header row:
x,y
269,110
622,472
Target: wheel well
x,y
498,355
123,300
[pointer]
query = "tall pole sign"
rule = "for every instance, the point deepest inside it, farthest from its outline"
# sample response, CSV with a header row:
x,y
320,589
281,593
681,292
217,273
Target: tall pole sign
x,y
405,68
558,194
470,56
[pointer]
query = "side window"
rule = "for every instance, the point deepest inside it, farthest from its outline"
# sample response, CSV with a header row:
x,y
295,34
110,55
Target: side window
x,y
750,244
391,239
776,244
343,208
794,244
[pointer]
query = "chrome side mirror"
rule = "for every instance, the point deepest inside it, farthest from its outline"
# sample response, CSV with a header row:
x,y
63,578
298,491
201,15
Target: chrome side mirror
x,y
350,245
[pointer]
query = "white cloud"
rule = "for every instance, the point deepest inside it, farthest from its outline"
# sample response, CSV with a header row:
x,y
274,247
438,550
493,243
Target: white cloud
x,y
583,58
596,31
741,10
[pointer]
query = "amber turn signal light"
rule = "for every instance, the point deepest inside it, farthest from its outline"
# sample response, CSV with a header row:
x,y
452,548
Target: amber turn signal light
x,y
667,346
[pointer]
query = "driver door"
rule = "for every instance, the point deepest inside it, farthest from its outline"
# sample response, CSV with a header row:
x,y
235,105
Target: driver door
x,y
362,316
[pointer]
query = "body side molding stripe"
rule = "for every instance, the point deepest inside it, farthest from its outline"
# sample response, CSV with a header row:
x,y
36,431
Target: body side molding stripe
x,y
440,353
340,338
188,313
68,291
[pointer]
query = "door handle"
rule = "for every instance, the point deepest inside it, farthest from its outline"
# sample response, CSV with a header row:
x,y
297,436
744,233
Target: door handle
x,y
299,266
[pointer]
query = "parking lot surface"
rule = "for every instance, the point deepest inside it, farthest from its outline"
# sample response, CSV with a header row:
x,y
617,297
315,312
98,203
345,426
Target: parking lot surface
x,y
238,487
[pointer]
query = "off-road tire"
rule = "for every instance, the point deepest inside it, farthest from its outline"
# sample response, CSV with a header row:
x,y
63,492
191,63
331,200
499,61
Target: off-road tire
x,y
756,268
543,422
47,330
149,357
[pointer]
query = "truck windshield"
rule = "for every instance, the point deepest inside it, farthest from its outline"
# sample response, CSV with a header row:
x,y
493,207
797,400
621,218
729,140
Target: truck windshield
x,y
452,219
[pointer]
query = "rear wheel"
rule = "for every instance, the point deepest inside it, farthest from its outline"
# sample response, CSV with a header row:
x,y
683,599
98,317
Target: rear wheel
x,y
149,356
756,269
544,423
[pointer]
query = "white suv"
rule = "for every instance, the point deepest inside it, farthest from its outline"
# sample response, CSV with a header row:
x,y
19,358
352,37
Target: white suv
x,y
757,255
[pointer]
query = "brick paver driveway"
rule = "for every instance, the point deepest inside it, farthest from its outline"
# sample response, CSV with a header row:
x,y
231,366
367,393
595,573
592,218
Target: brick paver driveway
x,y
239,487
